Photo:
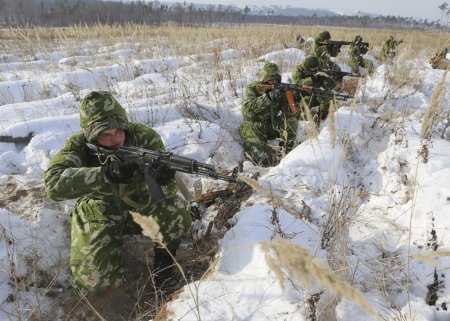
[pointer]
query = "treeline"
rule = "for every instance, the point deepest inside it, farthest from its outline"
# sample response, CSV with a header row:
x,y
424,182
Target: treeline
x,y
380,22
58,13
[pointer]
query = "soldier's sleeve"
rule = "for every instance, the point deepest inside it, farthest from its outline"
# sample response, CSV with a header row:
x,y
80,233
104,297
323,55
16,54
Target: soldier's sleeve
x,y
305,81
299,79
67,176
354,51
254,104
296,74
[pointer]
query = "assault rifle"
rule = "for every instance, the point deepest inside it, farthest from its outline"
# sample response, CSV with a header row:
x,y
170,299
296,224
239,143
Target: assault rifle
x,y
303,90
325,94
337,73
148,160
339,43
295,92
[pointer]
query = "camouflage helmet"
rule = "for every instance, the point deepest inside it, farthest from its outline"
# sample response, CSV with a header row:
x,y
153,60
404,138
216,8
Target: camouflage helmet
x,y
324,35
311,63
100,111
270,71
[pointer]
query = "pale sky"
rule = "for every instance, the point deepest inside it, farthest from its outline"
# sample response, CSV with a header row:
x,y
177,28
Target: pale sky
x,y
419,9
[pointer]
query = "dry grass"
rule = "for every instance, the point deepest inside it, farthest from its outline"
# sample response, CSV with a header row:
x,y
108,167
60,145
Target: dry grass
x,y
285,257
435,114
431,116
191,40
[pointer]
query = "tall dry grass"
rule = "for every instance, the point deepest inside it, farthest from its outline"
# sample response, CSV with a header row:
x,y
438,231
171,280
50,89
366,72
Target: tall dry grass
x,y
285,257
193,40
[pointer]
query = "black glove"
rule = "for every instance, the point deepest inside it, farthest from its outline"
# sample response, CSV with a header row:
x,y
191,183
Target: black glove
x,y
274,94
163,174
119,172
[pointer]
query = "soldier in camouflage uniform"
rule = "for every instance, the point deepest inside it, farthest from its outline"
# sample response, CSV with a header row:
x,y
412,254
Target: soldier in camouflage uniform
x,y
323,52
357,50
301,75
389,48
107,190
267,116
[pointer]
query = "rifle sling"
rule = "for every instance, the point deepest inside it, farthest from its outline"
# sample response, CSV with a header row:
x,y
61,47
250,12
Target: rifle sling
x,y
155,192
124,197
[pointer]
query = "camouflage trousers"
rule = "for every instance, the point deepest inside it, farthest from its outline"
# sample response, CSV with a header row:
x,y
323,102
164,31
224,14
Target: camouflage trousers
x,y
356,62
320,112
98,229
255,137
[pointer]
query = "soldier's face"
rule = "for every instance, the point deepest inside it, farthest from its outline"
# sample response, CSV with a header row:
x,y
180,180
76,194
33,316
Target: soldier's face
x,y
272,81
112,138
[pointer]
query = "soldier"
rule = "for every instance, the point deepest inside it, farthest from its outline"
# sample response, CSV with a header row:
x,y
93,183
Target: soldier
x,y
106,191
389,48
267,116
357,50
301,75
323,51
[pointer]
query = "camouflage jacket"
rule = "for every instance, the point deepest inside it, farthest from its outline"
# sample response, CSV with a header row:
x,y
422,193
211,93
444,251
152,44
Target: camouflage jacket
x,y
298,78
74,172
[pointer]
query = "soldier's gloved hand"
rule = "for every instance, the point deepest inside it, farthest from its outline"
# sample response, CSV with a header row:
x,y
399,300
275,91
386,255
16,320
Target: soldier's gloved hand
x,y
163,174
274,94
119,172
315,110
322,74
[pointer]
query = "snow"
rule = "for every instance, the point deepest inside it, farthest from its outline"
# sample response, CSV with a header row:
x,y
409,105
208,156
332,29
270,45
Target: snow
x,y
364,174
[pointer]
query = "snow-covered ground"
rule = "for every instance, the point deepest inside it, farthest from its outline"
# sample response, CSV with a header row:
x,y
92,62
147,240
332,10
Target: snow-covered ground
x,y
376,183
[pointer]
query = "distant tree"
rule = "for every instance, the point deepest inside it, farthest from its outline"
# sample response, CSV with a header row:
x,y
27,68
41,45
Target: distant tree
x,y
443,7
447,14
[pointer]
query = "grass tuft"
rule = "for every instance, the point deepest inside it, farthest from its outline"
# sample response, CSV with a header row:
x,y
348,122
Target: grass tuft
x,y
282,255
